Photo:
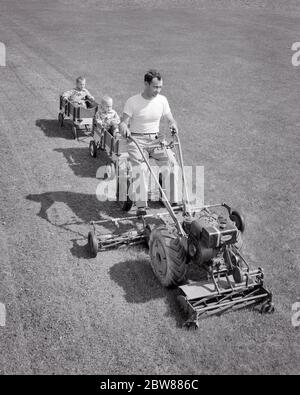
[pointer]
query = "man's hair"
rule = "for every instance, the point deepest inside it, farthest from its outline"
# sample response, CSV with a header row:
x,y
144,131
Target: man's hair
x,y
80,79
152,74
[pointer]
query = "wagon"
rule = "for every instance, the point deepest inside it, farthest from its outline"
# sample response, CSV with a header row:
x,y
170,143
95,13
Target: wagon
x,y
113,148
81,118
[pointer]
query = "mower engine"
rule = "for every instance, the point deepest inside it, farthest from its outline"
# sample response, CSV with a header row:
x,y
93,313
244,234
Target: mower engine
x,y
209,240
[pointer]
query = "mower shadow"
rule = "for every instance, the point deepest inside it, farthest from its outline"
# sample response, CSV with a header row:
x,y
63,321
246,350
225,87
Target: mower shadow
x,y
80,161
51,128
141,286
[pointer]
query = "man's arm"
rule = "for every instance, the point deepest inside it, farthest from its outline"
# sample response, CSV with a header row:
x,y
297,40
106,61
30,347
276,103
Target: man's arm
x,y
124,125
172,123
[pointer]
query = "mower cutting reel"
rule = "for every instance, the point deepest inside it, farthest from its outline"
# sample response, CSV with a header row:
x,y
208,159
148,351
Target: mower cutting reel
x,y
200,299
201,237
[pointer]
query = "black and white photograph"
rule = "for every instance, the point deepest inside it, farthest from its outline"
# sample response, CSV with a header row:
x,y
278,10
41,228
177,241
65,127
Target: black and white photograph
x,y
149,186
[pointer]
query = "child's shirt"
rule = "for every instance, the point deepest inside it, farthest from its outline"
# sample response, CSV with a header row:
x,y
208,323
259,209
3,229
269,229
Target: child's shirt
x,y
107,119
77,96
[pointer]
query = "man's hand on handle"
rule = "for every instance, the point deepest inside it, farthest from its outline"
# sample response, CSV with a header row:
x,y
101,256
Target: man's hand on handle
x,y
173,128
124,130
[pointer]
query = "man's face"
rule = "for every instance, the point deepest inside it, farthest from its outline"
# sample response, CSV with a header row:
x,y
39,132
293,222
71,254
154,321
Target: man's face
x,y
81,85
154,88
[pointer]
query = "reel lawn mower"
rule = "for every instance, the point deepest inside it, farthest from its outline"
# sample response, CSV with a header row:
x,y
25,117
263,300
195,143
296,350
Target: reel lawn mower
x,y
183,237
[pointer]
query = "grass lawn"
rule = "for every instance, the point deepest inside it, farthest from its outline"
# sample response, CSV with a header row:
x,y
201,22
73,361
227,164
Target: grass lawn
x,y
231,85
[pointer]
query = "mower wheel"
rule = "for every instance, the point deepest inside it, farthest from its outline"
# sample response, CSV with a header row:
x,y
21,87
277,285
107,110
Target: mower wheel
x,y
168,257
238,274
238,219
239,241
93,244
93,149
267,308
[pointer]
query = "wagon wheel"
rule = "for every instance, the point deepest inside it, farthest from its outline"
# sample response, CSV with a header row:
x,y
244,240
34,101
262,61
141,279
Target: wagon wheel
x,y
60,120
93,244
93,149
238,219
101,144
74,132
110,171
168,257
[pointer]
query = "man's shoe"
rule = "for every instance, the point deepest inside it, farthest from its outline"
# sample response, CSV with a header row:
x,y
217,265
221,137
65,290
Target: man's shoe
x,y
141,211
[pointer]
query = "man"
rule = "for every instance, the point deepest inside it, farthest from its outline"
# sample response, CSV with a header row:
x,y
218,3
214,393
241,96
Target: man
x,y
141,119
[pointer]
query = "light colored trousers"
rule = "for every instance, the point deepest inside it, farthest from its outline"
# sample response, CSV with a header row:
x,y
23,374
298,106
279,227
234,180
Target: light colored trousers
x,y
168,167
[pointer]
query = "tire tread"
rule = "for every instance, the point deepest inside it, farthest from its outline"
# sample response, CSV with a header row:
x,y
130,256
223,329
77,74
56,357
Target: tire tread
x,y
176,264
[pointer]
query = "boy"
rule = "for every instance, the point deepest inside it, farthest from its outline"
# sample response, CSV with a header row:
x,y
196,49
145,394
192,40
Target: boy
x,y
80,94
106,117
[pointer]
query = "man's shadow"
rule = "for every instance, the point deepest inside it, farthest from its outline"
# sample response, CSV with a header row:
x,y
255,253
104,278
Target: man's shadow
x,y
85,208
141,286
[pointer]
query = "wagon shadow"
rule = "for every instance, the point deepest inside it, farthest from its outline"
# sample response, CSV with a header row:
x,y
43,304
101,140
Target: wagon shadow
x,y
141,286
80,161
51,128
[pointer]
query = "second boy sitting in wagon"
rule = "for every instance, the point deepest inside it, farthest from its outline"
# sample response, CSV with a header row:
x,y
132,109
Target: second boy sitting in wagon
x,y
106,121
106,117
